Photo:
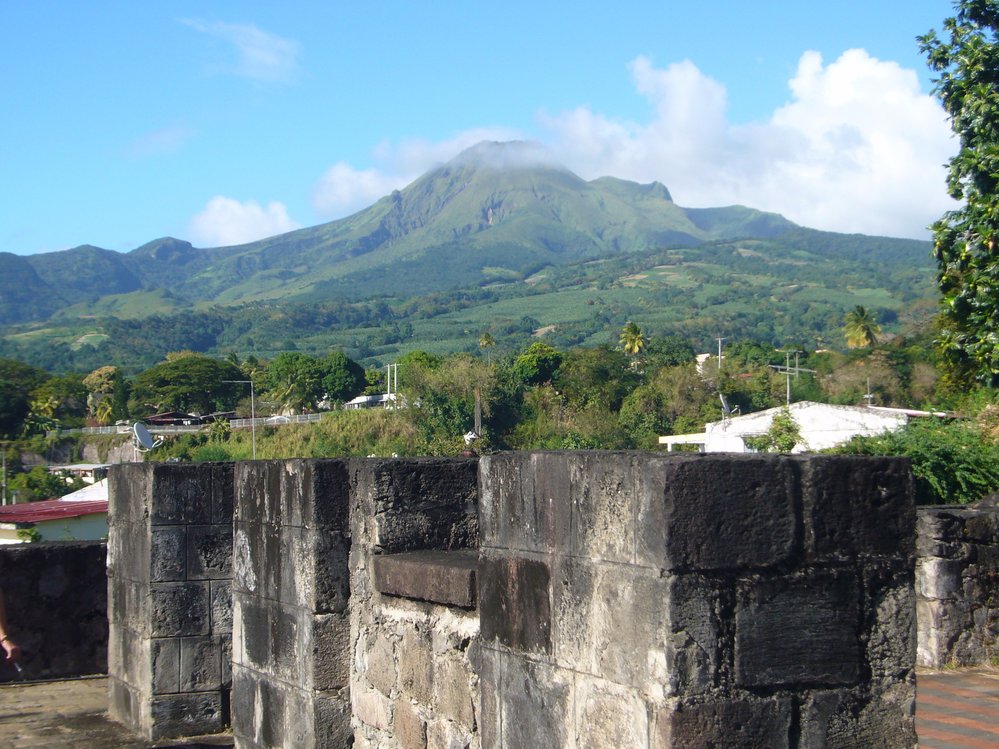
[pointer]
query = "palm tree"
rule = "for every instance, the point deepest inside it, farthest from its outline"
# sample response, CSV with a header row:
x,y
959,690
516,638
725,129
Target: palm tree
x,y
632,339
861,329
486,342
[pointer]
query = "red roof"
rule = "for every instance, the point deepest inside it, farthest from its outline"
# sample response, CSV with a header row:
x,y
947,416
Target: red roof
x,y
50,509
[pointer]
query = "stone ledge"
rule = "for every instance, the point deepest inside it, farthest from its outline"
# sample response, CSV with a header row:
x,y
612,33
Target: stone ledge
x,y
444,577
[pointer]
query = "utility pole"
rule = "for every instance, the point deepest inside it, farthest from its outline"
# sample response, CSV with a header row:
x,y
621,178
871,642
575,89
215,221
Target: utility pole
x,y
4,453
720,352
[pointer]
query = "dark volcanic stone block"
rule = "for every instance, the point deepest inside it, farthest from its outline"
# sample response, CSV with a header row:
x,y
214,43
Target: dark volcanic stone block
x,y
223,493
445,577
200,664
714,512
536,704
800,630
221,604
179,609
724,724
186,715
182,494
209,552
168,552
515,603
855,719
857,505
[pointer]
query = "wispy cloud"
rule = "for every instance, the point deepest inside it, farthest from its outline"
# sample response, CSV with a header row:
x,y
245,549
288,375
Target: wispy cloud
x,y
256,54
225,221
858,147
159,142
343,189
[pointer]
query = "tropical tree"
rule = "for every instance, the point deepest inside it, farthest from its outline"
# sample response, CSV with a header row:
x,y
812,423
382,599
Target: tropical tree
x,y
342,377
861,329
295,380
632,339
965,239
193,382
486,342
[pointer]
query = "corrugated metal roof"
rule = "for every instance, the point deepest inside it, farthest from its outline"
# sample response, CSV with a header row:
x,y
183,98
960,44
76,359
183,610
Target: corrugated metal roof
x,y
50,509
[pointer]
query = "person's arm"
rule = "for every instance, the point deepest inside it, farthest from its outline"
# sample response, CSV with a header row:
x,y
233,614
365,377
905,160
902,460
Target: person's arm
x,y
11,649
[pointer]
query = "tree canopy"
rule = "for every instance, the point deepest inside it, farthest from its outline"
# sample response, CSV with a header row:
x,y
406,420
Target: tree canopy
x,y
192,383
967,60
860,328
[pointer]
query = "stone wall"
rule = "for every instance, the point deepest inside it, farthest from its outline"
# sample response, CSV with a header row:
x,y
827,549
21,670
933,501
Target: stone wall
x,y
694,601
414,627
957,586
623,599
169,590
56,600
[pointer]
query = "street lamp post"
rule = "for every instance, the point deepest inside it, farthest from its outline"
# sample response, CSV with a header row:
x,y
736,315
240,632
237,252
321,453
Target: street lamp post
x,y
253,414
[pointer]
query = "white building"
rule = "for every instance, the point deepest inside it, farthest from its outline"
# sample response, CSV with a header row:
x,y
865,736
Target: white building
x,y
822,426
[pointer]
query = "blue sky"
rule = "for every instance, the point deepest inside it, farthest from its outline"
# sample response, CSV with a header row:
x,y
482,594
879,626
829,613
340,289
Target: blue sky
x,y
224,122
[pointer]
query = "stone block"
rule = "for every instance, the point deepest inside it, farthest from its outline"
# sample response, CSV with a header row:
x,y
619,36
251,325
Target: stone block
x,y
603,502
332,716
220,592
408,727
536,704
724,724
890,636
167,552
181,494
798,631
166,666
609,620
696,648
223,493
329,496
488,665
178,715
416,666
939,578
178,609
209,552
455,700
515,603
380,663
372,707
716,512
330,652
854,719
608,716
444,577
200,664
857,505
443,734
271,639
259,705
329,566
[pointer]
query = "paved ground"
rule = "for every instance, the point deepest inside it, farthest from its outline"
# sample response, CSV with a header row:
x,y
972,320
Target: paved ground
x,y
955,710
70,715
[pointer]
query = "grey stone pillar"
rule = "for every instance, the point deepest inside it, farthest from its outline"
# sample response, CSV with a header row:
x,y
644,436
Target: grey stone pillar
x,y
169,599
631,599
291,654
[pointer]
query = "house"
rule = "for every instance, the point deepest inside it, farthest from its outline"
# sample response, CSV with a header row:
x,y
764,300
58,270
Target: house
x,y
80,516
385,400
822,426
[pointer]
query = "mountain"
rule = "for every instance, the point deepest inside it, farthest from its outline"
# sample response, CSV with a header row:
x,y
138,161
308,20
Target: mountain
x,y
500,238
497,210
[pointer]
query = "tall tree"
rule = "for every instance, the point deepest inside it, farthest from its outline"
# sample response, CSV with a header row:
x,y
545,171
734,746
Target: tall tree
x,y
860,328
967,60
632,339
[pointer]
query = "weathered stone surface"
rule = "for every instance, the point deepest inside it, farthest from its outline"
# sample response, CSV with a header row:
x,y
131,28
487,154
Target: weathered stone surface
x,y
209,552
409,728
182,494
454,697
165,654
330,652
609,717
716,512
220,593
62,633
515,603
381,668
179,609
445,577
200,664
372,707
798,631
853,719
535,704
168,553
724,724
186,715
416,667
694,654
857,505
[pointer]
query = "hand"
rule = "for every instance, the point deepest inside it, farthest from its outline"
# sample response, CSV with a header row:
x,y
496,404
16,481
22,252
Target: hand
x,y
11,649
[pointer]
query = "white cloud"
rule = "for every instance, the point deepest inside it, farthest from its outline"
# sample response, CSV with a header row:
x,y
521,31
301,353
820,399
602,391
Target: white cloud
x,y
259,55
858,148
343,189
225,222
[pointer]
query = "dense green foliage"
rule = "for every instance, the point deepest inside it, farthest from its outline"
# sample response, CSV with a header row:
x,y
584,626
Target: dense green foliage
x,y
952,462
191,383
965,239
